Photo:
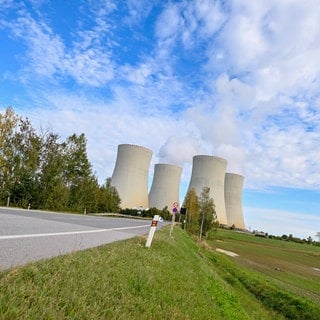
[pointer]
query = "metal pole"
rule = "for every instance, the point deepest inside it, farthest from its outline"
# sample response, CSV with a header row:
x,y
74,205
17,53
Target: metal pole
x,y
201,227
172,223
185,219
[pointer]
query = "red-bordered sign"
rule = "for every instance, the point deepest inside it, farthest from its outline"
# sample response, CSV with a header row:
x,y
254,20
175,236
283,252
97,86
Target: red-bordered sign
x,y
175,207
154,223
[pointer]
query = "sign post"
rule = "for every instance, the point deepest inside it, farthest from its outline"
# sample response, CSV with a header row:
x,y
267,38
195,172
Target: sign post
x,y
152,230
175,208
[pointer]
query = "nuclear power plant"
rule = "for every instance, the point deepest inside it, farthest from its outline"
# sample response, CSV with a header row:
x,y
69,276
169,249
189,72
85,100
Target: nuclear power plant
x,y
130,178
165,186
209,171
130,175
233,185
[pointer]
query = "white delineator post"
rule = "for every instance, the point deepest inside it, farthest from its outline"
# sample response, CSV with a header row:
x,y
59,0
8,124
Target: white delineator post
x,y
152,230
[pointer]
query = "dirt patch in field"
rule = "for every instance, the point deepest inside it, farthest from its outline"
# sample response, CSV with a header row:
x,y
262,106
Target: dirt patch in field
x,y
228,253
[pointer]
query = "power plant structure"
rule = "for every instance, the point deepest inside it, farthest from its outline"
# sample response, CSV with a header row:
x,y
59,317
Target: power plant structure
x,y
164,191
130,175
233,185
209,171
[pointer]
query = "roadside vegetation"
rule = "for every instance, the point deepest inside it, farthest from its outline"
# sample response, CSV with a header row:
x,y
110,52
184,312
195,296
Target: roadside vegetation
x,y
41,171
200,213
177,278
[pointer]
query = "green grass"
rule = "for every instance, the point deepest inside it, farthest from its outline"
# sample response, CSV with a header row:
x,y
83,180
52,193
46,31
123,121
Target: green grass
x,y
174,279
286,264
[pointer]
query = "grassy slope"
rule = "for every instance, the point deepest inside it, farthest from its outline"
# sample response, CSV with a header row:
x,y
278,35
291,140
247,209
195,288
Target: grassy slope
x,y
174,279
288,265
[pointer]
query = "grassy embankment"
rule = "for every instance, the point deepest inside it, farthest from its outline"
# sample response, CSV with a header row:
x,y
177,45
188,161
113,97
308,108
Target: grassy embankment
x,y
174,279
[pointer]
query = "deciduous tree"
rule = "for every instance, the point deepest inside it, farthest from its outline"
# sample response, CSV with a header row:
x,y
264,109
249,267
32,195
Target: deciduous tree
x,y
109,199
207,212
191,204
8,124
53,190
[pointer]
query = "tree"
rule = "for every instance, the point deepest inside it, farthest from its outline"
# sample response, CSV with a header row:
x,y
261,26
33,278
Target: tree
x,y
53,190
318,235
26,146
77,165
109,199
8,124
207,212
80,180
84,196
191,204
19,159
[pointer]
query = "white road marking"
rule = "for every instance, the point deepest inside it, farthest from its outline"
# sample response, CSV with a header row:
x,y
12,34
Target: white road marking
x,y
21,236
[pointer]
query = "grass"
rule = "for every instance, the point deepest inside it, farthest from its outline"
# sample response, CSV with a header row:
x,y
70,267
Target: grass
x,y
174,279
287,265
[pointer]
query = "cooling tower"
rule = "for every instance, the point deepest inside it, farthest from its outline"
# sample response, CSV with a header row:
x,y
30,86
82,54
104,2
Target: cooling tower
x,y
164,190
233,198
209,171
130,175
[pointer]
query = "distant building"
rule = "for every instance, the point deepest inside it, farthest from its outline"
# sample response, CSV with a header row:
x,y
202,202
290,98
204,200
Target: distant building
x,y
165,186
260,233
233,185
130,175
209,171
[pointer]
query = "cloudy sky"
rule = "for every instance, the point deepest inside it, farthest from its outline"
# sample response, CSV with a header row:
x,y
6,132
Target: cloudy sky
x,y
231,78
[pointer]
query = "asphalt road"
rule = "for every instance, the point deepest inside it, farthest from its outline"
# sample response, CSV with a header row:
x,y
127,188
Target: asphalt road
x,y
27,235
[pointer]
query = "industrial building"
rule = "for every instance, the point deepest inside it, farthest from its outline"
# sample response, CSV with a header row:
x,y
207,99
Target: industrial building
x,y
209,171
165,186
233,185
130,175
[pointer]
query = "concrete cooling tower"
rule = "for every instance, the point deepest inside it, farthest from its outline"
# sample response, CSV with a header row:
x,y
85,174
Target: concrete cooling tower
x,y
130,175
233,198
209,171
165,186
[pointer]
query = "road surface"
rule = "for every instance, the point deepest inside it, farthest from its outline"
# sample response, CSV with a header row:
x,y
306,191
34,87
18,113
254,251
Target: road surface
x,y
28,235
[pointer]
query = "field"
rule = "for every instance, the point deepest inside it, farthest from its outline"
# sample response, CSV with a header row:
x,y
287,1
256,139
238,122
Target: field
x,y
291,266
174,279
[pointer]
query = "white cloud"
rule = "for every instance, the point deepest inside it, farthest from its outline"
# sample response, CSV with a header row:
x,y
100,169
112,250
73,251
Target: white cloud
x,y
189,23
255,102
45,49
138,10
87,62
138,75
210,16
169,22
179,149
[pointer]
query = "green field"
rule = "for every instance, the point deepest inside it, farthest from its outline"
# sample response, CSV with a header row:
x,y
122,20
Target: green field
x,y
289,265
174,279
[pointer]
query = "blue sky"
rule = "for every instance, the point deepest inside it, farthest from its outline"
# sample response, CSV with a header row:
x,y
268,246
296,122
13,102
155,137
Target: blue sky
x,y
235,79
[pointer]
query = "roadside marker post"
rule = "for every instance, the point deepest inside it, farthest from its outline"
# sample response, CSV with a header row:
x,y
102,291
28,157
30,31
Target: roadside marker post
x,y
152,230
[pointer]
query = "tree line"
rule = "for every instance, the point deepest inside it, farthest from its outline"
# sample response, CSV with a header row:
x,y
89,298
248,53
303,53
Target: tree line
x,y
40,171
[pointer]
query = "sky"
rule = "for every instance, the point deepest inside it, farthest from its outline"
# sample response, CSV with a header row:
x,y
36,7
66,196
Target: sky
x,y
235,79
